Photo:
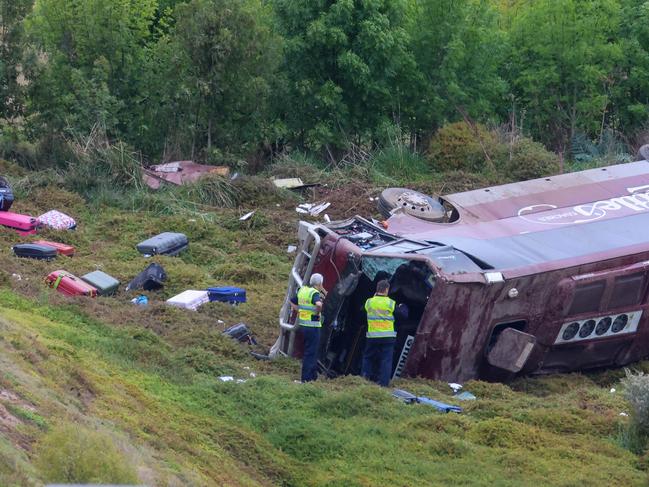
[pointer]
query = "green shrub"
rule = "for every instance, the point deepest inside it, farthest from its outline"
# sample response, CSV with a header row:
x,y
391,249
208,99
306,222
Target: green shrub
x,y
636,391
74,454
458,146
526,159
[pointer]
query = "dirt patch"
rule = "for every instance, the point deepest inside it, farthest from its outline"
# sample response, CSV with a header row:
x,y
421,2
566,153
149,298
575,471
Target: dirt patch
x,y
349,200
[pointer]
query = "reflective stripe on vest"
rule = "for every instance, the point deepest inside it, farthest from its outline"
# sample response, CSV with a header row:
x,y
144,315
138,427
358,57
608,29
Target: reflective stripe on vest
x,y
380,317
306,308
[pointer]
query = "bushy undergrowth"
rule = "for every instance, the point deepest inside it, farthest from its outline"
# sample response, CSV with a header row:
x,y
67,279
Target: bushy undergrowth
x,y
74,454
636,391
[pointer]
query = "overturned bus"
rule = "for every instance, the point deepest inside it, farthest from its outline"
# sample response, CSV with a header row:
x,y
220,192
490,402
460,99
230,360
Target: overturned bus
x,y
542,276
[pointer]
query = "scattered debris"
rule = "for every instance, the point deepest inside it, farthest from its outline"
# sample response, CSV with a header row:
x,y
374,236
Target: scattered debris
x,y
17,277
623,414
612,391
465,396
141,300
241,333
291,249
316,210
327,219
229,378
456,387
234,176
292,183
312,209
409,398
179,173
247,216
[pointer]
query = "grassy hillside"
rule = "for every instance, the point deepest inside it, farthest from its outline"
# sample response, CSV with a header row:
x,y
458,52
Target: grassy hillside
x,y
146,379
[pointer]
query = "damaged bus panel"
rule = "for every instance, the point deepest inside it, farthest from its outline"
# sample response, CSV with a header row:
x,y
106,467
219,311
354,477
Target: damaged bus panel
x,y
542,276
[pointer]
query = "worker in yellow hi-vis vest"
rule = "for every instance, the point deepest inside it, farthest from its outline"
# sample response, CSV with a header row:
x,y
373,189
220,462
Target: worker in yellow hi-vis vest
x,y
308,304
380,337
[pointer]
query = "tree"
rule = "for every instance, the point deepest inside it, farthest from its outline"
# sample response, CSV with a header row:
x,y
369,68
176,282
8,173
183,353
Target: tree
x,y
12,13
89,64
347,65
226,54
631,94
459,49
563,66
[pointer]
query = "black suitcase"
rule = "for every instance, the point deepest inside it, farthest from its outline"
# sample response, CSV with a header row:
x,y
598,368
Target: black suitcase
x,y
167,243
6,195
150,279
35,251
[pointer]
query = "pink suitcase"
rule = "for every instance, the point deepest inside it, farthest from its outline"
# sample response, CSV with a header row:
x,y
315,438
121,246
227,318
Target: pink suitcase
x,y
23,224
68,284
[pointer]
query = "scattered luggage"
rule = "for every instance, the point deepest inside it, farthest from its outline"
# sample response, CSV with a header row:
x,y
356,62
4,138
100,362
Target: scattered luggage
x,y
232,295
167,243
189,299
57,220
6,195
150,279
105,284
409,398
70,285
241,333
63,249
23,224
34,251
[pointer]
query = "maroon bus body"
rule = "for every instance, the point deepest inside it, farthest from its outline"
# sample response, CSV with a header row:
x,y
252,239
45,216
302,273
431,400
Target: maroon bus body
x,y
536,277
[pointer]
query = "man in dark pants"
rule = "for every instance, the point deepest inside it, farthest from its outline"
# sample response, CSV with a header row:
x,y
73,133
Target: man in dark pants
x,y
380,337
308,303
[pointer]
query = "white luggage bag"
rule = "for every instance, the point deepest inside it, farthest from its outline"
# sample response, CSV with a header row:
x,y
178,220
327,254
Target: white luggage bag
x,y
189,299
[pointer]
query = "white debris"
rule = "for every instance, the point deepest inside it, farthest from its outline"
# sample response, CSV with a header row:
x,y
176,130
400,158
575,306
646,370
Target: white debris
x,y
612,390
291,248
247,216
456,387
17,277
301,210
316,210
246,368
226,378
240,381
220,322
623,414
327,219
252,374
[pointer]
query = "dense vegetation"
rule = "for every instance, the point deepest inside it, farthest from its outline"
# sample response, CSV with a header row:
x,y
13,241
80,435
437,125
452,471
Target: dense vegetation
x,y
243,81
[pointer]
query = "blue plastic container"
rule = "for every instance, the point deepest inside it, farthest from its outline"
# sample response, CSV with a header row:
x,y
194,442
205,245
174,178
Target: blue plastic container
x,y
232,295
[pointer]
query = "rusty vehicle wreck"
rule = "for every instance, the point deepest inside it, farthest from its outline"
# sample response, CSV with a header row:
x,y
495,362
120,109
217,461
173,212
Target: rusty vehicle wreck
x,y
536,277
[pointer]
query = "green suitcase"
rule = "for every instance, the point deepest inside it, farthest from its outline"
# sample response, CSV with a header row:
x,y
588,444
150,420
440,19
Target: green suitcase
x,y
104,283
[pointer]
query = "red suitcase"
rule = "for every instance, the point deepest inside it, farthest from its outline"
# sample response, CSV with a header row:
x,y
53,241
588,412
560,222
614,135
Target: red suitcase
x,y
68,284
62,249
23,224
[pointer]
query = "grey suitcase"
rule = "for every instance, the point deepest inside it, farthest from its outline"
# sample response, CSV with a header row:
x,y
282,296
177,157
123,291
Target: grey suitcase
x,y
104,283
167,243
